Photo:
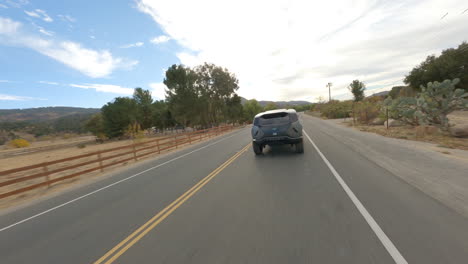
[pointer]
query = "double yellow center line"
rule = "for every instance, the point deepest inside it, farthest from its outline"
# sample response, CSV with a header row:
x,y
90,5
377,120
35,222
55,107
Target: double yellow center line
x,y
128,242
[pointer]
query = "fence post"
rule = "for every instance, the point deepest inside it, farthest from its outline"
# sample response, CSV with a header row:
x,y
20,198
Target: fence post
x,y
386,110
46,171
189,139
134,151
175,140
354,115
100,161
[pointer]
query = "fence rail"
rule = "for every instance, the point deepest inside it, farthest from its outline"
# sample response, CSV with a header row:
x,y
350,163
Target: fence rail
x,y
30,176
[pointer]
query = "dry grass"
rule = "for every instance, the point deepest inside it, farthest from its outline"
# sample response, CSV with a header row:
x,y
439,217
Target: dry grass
x,y
50,155
413,133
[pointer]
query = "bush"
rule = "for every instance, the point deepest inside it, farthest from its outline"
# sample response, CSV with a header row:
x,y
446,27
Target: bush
x,y
403,109
19,143
431,106
335,109
437,100
367,111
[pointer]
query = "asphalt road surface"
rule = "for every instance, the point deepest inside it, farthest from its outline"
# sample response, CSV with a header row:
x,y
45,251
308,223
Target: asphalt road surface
x,y
216,202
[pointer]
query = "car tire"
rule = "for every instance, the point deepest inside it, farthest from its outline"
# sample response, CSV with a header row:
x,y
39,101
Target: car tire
x,y
257,148
300,147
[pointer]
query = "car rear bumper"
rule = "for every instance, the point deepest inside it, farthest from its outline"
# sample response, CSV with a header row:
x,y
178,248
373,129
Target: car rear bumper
x,y
277,140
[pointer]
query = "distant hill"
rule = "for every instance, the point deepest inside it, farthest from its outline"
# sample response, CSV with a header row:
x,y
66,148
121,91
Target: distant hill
x,y
43,113
284,103
279,103
383,93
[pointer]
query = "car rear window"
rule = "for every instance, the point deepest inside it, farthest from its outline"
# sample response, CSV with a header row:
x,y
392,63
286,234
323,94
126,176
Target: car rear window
x,y
272,119
293,117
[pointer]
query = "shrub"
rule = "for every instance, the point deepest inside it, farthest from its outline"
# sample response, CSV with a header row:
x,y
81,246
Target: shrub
x,y
402,108
437,100
68,136
19,143
431,106
335,109
367,111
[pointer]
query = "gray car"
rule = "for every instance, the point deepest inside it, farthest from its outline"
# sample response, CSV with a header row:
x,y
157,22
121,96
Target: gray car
x,y
276,127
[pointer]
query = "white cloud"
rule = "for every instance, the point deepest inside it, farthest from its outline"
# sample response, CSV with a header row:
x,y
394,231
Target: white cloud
x,y
158,90
106,88
92,37
44,15
160,39
8,26
283,50
4,81
32,13
132,45
43,30
51,83
3,6
7,97
39,13
67,18
16,3
93,63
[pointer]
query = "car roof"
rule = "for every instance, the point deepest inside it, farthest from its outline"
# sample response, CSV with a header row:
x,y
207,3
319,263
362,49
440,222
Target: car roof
x,y
289,111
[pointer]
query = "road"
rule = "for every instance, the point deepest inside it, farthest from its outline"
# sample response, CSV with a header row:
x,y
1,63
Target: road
x,y
216,202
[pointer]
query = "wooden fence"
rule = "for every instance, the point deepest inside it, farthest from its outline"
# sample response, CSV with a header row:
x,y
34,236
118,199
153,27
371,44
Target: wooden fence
x,y
45,174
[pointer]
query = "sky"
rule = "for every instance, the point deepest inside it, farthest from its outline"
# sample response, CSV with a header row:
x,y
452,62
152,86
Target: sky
x,y
85,53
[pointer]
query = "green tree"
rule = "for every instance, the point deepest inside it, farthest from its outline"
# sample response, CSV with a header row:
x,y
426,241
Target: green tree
x,y
234,108
162,117
143,102
181,94
451,64
118,115
216,87
357,88
251,108
270,106
95,125
204,95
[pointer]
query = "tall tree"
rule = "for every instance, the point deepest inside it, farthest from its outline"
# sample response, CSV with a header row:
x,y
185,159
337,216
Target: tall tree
x,y
162,117
181,95
204,95
451,64
118,115
234,108
357,88
215,85
143,102
251,108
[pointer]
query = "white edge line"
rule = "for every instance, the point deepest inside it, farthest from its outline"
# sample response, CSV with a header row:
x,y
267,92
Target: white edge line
x,y
112,184
387,243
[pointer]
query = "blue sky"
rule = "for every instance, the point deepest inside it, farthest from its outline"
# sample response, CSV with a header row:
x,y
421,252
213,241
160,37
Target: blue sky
x,y
36,79
85,53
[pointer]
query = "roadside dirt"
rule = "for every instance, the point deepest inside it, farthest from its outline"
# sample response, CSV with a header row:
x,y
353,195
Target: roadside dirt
x,y
35,158
442,139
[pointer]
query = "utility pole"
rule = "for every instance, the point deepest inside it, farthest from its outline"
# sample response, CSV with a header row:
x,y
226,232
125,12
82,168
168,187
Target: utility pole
x,y
329,91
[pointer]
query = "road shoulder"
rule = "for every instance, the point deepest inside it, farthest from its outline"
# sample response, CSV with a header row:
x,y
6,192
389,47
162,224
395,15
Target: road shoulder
x,y
441,176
